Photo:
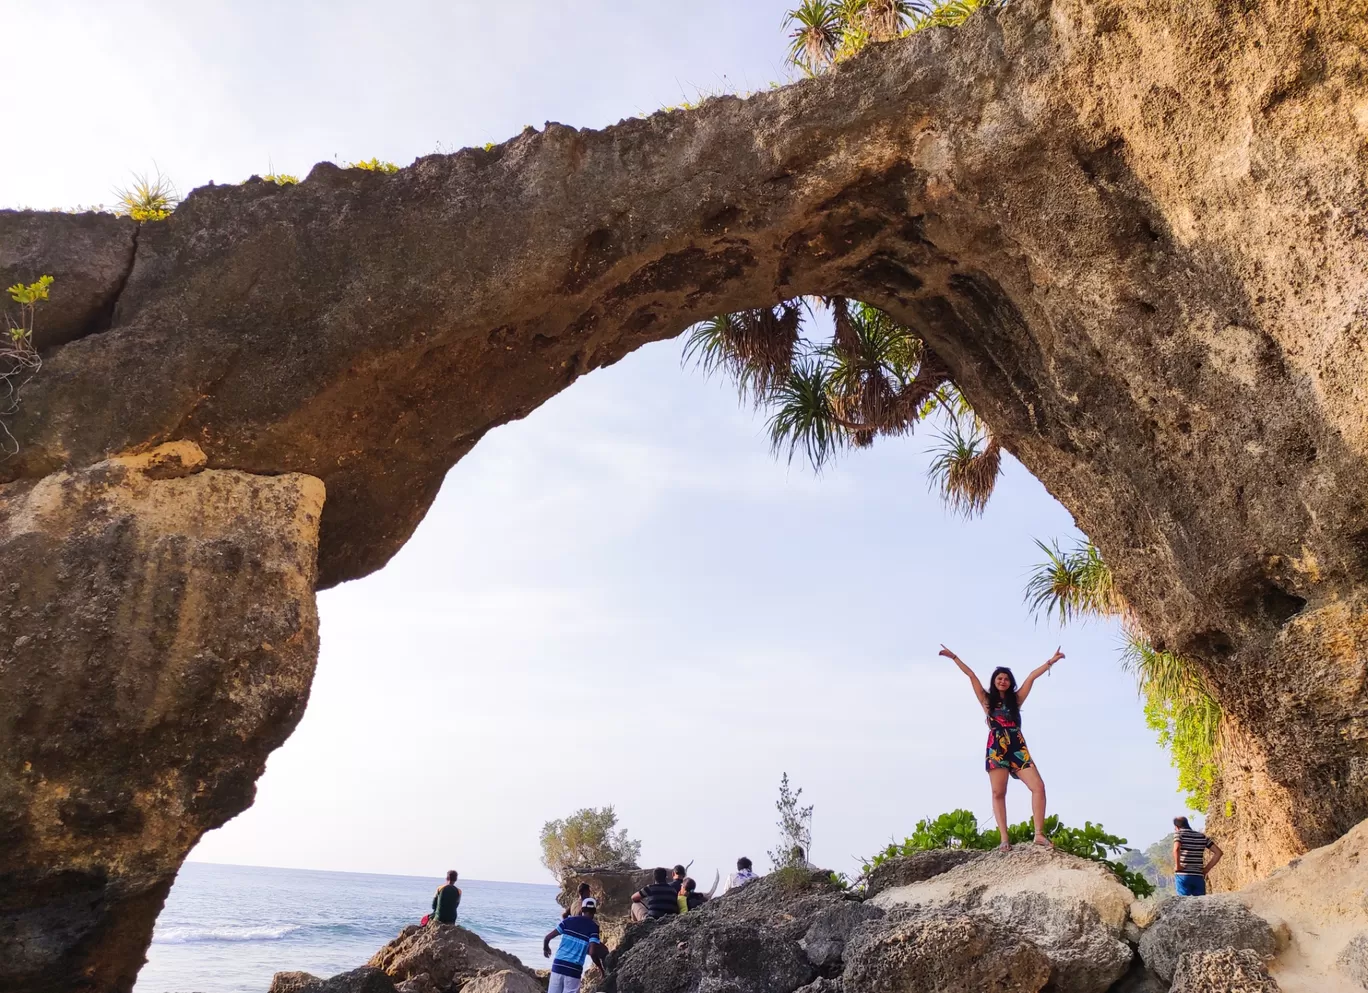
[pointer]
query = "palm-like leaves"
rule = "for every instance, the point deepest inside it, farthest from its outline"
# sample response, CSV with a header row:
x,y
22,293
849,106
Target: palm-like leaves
x,y
1073,584
816,35
966,467
755,347
804,416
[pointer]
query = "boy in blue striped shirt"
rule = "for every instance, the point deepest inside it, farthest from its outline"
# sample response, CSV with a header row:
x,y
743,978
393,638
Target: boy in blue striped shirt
x,y
579,936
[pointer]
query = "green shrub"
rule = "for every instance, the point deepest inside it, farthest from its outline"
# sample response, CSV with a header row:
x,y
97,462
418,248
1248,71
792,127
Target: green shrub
x,y
960,829
373,165
281,178
147,199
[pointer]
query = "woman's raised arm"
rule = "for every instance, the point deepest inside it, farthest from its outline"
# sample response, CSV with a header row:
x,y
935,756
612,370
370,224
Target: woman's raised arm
x,y
1025,690
978,687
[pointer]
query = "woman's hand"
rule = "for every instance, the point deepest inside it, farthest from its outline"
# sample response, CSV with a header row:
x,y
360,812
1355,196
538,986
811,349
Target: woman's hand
x,y
1055,657
948,654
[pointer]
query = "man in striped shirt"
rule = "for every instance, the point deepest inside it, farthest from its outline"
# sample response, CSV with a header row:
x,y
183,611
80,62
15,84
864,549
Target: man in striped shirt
x,y
579,937
1190,866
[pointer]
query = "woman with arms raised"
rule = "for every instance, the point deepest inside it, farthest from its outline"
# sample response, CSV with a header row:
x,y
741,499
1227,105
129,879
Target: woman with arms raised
x,y
1007,752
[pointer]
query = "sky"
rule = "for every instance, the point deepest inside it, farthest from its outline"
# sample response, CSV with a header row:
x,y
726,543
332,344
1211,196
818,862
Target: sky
x,y
624,598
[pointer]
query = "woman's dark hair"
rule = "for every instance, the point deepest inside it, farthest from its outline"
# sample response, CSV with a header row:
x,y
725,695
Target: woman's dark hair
x,y
997,698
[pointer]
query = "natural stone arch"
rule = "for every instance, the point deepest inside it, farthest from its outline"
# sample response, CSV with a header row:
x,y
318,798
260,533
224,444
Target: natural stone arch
x,y
1131,230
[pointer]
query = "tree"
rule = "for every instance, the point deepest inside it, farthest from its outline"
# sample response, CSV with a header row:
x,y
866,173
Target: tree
x,y
1077,584
795,827
959,829
586,840
824,32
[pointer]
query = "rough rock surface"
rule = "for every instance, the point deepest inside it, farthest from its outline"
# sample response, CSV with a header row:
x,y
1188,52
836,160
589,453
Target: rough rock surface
x,y
142,599
698,953
1223,971
1131,229
1203,924
825,940
918,867
1073,910
294,982
362,980
504,981
612,888
448,954
922,952
1353,960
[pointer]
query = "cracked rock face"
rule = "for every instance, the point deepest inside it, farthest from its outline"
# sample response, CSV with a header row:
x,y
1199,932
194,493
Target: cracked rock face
x,y
136,712
1134,231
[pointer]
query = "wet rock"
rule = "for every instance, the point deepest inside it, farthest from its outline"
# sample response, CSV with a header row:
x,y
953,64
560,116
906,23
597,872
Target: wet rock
x,y
921,952
1203,924
1226,970
448,954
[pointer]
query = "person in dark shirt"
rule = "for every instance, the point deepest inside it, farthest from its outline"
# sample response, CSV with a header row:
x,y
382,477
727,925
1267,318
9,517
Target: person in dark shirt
x,y
446,900
656,899
575,904
677,877
1190,866
689,897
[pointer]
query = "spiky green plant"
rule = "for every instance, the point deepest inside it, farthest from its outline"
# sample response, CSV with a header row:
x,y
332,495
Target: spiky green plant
x,y
966,466
803,417
815,36
281,178
756,348
1073,584
147,198
373,165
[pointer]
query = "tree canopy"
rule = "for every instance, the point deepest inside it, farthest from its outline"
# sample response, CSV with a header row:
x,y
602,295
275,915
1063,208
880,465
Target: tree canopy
x,y
587,840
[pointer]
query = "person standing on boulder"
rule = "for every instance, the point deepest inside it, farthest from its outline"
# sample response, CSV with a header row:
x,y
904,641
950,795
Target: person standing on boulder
x,y
446,900
1190,866
579,936
1007,754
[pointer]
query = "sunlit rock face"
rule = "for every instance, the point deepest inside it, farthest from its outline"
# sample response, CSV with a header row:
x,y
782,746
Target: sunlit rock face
x,y
157,641
1133,229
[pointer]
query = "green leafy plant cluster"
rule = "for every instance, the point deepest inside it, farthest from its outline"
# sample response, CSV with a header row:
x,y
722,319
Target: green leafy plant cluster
x,y
374,165
874,377
1074,584
147,198
19,358
824,32
960,829
587,840
281,178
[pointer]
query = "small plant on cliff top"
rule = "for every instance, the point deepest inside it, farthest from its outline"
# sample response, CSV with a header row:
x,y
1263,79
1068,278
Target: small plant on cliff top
x,y
19,358
795,828
586,840
147,199
373,165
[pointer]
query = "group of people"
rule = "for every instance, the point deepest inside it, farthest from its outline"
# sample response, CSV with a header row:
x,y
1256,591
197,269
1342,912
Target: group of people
x,y
675,892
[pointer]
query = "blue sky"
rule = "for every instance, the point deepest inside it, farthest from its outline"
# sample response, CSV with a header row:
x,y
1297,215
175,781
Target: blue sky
x,y
622,598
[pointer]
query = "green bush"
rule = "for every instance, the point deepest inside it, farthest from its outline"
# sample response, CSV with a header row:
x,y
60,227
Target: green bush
x,y
373,165
960,829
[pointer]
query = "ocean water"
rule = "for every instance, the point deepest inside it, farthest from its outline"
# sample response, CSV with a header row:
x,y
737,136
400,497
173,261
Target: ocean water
x,y
228,928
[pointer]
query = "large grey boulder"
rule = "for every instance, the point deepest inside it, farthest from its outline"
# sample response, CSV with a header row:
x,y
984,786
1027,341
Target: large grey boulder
x,y
825,940
448,954
294,982
503,981
1227,970
694,953
917,867
926,952
1073,910
363,980
1202,924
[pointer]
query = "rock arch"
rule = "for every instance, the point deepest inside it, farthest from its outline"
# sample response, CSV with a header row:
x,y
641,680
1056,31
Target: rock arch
x,y
1134,231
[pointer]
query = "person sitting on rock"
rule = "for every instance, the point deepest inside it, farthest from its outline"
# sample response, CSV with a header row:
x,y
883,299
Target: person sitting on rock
x,y
579,936
1007,752
577,902
655,899
677,876
1190,866
689,897
744,874
446,900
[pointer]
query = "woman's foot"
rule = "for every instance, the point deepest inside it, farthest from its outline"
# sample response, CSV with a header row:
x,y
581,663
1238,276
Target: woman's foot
x,y
1043,841
1006,846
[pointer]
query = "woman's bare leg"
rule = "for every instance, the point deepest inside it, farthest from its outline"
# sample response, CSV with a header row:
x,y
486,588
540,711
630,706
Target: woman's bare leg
x,y
1031,777
998,779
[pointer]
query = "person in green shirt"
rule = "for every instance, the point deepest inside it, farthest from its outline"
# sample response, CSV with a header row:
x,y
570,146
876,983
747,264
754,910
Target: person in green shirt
x,y
446,900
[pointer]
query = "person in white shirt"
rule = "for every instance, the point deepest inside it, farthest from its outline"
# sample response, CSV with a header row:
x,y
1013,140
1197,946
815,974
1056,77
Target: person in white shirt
x,y
743,875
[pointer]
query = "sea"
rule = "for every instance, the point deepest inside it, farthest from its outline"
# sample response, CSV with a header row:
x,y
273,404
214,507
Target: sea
x,y
229,928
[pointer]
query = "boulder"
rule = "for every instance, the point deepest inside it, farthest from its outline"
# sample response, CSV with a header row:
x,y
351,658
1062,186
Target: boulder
x,y
504,981
1353,961
1226,970
295,982
612,888
1073,910
1139,979
448,954
696,952
421,983
930,952
826,937
1202,924
1145,911
917,867
788,901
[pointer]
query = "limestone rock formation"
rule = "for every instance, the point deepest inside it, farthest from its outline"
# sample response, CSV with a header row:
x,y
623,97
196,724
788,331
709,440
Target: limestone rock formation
x,y
612,888
1203,924
448,954
695,953
1073,910
1224,971
504,981
917,867
143,598
919,951
1131,229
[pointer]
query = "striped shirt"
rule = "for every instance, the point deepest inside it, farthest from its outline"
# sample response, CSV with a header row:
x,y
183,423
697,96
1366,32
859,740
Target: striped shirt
x,y
577,934
1192,849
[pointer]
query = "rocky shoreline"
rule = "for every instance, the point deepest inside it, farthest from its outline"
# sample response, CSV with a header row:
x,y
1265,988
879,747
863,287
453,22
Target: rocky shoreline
x,y
1025,921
